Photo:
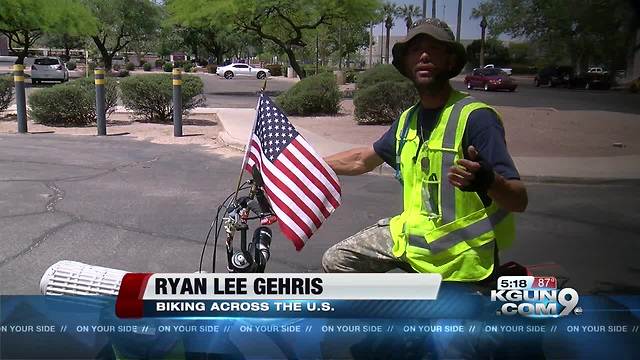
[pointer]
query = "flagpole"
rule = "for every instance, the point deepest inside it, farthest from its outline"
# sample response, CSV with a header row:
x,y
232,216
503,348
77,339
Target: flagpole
x,y
248,146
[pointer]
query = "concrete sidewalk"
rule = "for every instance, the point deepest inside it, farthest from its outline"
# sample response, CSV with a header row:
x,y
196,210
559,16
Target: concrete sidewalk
x,y
237,125
238,122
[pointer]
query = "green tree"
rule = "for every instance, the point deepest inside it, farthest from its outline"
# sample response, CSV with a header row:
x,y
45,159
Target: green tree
x,y
64,41
390,13
495,52
582,31
120,22
520,53
23,22
346,38
483,11
209,21
282,22
408,13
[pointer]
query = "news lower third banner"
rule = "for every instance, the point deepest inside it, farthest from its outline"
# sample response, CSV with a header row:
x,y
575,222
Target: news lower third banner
x,y
312,316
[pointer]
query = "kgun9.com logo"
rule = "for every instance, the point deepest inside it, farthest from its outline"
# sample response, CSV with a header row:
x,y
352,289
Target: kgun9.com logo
x,y
534,297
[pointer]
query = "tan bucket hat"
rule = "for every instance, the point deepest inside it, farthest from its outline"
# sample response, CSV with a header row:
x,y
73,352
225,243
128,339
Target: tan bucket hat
x,y
438,30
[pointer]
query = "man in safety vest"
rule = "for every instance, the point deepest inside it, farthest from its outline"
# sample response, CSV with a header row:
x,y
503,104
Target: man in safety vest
x,y
459,182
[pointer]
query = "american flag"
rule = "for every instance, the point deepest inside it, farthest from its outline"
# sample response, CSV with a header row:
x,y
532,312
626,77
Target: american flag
x,y
302,189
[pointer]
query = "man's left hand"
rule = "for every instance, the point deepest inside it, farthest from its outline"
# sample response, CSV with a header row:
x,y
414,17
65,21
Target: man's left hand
x,y
471,174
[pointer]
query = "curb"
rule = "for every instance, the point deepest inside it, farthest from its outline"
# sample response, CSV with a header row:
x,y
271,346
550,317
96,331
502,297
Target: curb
x,y
533,179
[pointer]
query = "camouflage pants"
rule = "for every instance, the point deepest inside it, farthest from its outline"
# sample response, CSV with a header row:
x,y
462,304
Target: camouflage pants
x,y
368,251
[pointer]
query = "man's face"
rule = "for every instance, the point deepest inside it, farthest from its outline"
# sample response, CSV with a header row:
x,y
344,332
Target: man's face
x,y
428,63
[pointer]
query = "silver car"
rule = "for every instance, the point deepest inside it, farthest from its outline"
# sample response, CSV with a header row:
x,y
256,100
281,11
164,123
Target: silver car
x,y
48,69
239,69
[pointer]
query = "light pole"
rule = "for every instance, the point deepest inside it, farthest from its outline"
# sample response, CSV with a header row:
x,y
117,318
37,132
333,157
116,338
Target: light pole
x,y
459,20
483,25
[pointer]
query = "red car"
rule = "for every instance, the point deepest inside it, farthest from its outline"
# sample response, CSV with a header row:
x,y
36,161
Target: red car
x,y
490,79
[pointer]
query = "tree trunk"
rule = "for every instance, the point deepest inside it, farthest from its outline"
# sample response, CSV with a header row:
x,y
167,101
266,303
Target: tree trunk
x,y
25,49
433,9
370,45
340,53
219,55
382,44
387,45
482,48
107,58
294,63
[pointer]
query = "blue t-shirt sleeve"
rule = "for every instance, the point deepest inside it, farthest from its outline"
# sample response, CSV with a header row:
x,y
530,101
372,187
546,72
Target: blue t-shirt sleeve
x,y
485,132
385,147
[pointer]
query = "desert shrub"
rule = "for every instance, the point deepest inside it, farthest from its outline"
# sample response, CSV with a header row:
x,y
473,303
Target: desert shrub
x,y
70,104
310,69
6,92
167,67
379,74
146,67
634,87
382,103
159,63
130,66
212,68
71,65
123,73
316,94
150,96
350,76
274,69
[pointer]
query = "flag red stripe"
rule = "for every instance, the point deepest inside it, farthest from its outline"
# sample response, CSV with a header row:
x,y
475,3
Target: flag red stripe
x,y
283,217
291,235
314,160
304,188
299,222
310,194
296,199
291,157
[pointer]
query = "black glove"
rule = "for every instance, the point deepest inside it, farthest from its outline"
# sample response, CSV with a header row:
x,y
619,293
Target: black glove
x,y
483,178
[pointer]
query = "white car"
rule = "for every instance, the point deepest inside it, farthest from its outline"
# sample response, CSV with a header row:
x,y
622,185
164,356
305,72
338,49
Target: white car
x,y
48,69
239,69
597,70
491,66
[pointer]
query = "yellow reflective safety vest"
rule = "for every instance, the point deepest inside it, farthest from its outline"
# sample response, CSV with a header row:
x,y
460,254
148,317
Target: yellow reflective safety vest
x,y
443,229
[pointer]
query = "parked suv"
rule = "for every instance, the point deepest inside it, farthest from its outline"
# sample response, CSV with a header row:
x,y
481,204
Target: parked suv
x,y
48,69
555,76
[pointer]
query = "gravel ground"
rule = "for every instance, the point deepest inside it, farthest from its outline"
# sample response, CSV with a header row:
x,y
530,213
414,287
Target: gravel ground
x,y
529,131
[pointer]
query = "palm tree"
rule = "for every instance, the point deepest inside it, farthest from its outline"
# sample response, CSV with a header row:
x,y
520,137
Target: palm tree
x,y
409,12
482,12
390,11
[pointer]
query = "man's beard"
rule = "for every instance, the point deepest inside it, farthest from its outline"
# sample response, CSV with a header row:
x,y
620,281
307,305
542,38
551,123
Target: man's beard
x,y
433,87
